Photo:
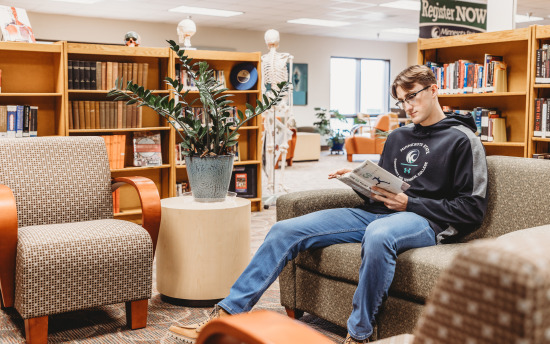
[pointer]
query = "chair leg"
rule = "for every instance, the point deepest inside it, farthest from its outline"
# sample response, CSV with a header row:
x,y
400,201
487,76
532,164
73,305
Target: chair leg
x,y
136,314
36,330
294,313
350,157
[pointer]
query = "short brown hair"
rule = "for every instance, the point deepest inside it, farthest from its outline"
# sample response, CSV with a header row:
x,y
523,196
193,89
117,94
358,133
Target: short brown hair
x,y
417,74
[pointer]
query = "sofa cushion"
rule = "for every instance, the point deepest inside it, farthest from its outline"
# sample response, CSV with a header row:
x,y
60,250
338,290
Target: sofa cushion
x,y
416,272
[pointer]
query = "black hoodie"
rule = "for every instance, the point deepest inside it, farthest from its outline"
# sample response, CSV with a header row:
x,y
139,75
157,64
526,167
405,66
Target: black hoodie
x,y
445,165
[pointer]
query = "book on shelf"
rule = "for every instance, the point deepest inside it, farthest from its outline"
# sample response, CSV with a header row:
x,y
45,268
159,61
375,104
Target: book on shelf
x,y
3,121
102,75
15,25
26,120
180,158
244,181
542,118
33,130
0,81
541,156
147,149
542,71
12,120
368,174
20,111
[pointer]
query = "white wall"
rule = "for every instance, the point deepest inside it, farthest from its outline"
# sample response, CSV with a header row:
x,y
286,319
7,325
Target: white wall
x,y
313,50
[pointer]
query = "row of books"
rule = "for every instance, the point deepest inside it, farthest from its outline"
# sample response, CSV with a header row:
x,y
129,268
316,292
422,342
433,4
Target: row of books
x,y
542,75
116,150
90,114
541,156
102,75
18,121
542,117
491,126
465,76
0,81
189,83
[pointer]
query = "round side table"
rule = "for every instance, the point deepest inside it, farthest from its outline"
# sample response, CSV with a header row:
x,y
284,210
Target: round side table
x,y
202,249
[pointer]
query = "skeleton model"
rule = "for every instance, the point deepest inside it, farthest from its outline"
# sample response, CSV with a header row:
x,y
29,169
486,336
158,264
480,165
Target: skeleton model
x,y
276,132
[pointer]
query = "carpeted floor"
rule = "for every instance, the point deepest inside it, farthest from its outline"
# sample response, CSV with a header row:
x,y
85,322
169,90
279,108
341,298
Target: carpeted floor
x,y
108,324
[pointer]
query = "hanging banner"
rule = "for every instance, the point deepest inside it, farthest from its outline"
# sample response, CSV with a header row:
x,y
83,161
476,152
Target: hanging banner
x,y
440,18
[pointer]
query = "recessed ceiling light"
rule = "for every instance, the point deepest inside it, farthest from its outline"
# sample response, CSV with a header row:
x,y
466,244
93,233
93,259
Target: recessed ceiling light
x,y
205,11
80,1
318,22
403,5
404,31
524,19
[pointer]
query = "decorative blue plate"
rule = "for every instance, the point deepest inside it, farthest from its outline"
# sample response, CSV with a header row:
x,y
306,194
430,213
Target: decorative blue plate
x,y
243,76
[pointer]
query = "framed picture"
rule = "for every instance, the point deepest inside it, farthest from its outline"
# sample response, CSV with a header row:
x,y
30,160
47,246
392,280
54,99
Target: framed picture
x,y
243,181
299,81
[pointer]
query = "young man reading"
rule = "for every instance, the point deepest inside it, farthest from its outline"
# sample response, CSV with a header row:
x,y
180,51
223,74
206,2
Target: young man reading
x,y
444,163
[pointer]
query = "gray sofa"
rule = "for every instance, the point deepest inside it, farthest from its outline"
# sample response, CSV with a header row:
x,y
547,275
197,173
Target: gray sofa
x,y
322,282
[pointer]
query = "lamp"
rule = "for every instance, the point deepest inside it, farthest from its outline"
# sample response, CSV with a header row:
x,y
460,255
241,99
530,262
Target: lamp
x,y
186,29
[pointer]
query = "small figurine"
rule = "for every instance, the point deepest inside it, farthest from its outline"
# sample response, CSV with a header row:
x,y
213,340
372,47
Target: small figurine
x,y
132,39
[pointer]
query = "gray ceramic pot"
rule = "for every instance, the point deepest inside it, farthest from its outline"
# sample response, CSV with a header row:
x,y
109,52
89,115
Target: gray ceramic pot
x,y
209,177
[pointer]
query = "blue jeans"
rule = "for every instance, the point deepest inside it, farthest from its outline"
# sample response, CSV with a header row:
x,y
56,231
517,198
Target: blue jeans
x,y
383,237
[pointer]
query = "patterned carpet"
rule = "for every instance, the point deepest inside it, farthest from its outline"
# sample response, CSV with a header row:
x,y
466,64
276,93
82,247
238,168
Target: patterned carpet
x,y
108,324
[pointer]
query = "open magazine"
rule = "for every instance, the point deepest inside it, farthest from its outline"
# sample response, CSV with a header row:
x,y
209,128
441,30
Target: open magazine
x,y
369,174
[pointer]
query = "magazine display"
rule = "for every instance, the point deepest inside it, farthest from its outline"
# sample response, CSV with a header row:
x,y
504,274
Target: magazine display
x,y
369,174
147,149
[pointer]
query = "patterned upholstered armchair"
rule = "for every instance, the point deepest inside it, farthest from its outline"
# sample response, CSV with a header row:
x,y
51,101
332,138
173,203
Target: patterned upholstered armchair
x,y
60,248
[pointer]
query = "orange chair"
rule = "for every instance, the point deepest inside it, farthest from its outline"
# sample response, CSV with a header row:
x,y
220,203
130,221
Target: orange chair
x,y
259,327
370,143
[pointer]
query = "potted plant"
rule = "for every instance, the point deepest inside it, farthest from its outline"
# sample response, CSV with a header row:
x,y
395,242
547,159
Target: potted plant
x,y
335,138
208,148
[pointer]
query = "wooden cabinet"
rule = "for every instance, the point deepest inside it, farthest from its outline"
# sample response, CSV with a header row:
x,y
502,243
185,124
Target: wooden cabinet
x,y
541,35
515,47
33,74
250,135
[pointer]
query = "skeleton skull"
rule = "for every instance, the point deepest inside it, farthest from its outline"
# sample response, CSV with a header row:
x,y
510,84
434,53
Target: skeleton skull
x,y
132,39
186,29
272,38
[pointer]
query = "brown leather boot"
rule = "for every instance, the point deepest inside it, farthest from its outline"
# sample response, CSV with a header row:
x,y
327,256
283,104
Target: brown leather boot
x,y
350,340
189,333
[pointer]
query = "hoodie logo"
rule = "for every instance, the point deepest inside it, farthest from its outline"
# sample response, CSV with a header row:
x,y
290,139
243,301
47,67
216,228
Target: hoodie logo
x,y
412,161
412,156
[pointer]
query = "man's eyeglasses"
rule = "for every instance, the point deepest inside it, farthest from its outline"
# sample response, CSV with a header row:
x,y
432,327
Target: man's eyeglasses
x,y
409,99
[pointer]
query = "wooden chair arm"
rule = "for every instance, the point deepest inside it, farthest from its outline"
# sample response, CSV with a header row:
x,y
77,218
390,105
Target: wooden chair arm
x,y
150,203
8,245
259,327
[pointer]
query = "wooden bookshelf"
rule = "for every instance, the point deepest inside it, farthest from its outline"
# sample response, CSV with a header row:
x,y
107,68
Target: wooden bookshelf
x,y
158,60
33,74
541,35
515,47
250,135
